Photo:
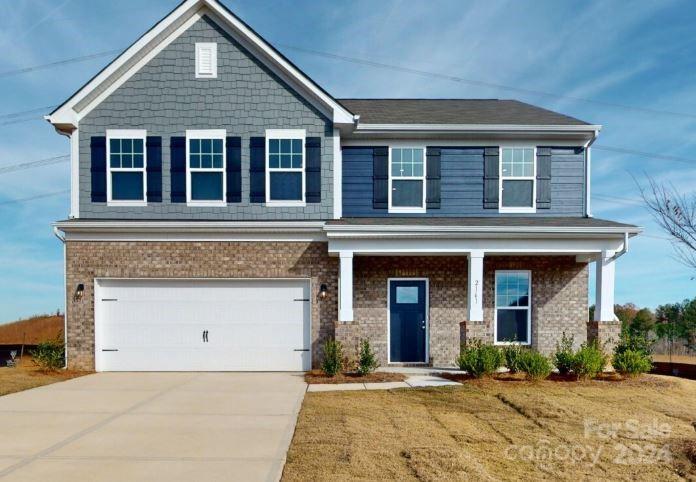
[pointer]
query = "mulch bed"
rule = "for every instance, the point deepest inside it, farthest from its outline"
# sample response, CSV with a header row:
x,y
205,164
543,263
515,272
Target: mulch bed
x,y
556,377
317,376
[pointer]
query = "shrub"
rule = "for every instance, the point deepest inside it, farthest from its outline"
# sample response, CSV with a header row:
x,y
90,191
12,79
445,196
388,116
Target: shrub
x,y
367,361
332,364
631,362
589,361
479,359
535,365
563,357
637,342
513,354
49,355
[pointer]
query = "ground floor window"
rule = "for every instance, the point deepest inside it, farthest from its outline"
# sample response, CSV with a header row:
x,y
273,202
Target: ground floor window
x,y
512,306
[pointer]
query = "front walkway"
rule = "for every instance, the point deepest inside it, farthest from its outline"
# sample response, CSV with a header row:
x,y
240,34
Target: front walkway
x,y
151,426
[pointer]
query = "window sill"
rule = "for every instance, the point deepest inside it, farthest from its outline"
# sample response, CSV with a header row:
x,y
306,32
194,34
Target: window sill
x,y
517,210
406,210
207,204
286,204
505,343
127,203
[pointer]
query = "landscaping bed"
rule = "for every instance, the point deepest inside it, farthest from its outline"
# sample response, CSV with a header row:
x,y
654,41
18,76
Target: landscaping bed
x,y
491,429
318,376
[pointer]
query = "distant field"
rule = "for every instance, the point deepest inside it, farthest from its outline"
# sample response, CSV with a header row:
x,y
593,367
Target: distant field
x,y
32,331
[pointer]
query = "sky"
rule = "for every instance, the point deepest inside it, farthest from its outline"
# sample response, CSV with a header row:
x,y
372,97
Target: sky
x,y
602,57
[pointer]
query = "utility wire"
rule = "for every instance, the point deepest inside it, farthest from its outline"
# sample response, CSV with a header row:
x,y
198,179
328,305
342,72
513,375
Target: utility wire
x,y
32,198
10,73
623,150
38,110
31,164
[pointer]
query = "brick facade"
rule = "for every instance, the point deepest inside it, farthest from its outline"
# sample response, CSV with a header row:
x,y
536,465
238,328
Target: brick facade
x,y
86,260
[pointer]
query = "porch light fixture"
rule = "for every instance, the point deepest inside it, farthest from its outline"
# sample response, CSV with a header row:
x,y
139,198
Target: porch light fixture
x,y
323,290
79,291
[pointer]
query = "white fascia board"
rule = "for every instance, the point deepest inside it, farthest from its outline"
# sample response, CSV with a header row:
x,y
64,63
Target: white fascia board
x,y
66,115
592,129
355,231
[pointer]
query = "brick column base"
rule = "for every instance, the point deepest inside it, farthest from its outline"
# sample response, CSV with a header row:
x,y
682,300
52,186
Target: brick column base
x,y
607,333
471,330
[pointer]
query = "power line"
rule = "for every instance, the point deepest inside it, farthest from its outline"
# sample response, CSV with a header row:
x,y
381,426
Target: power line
x,y
33,198
38,110
9,73
31,164
635,152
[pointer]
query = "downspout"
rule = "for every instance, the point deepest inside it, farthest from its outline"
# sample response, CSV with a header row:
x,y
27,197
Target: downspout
x,y
57,234
623,250
588,162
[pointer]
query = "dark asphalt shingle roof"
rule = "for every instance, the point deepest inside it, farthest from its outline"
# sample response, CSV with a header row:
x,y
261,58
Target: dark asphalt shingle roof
x,y
454,111
564,222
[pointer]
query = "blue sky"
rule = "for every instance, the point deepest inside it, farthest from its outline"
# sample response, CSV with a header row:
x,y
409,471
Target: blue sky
x,y
638,54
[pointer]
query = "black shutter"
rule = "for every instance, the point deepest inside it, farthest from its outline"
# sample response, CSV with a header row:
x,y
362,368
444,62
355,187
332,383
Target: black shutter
x,y
178,169
313,170
233,169
543,176
98,168
491,177
153,146
432,178
257,169
380,177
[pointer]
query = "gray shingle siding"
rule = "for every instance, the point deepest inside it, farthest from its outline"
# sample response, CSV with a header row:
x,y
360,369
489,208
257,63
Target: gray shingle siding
x,y
462,184
165,98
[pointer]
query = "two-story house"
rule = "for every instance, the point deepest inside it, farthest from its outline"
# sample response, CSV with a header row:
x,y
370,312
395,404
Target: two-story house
x,y
227,213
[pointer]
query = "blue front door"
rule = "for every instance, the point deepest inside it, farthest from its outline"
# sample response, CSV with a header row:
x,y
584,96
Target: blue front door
x,y
407,320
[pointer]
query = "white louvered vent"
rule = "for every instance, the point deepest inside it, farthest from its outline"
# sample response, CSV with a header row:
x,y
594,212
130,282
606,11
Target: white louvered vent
x,y
206,60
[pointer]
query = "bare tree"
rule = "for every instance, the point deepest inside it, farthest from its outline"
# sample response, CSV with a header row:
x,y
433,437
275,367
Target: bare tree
x,y
675,213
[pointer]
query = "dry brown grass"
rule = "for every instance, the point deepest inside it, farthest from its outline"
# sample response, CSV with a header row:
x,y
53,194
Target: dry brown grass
x,y
318,376
485,430
29,376
32,331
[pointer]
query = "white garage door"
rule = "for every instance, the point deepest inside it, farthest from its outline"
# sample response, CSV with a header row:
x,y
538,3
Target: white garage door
x,y
202,325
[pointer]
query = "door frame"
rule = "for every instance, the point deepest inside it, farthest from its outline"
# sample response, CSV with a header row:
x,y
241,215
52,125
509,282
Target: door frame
x,y
427,316
97,287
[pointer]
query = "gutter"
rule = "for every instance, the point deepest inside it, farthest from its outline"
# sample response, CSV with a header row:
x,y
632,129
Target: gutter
x,y
477,128
624,249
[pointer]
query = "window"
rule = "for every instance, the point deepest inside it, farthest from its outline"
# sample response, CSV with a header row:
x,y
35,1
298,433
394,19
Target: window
x,y
512,307
206,60
205,154
285,153
518,179
407,179
126,179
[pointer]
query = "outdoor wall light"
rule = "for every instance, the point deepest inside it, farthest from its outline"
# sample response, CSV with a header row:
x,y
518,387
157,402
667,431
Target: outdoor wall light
x,y
322,291
79,291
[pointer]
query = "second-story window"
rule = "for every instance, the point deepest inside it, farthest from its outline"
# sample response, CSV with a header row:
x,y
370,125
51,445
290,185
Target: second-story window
x,y
206,167
407,179
518,179
126,179
285,158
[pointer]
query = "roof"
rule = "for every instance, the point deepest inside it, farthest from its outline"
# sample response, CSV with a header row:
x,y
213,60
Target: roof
x,y
486,222
454,111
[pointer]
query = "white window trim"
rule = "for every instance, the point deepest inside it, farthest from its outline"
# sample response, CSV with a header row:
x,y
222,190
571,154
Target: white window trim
x,y
528,308
213,60
286,134
409,209
206,134
125,134
519,210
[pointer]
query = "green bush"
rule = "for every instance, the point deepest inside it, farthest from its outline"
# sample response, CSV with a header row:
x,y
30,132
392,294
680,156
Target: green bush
x,y
479,359
631,362
332,364
564,355
367,361
535,365
49,355
589,361
513,355
637,342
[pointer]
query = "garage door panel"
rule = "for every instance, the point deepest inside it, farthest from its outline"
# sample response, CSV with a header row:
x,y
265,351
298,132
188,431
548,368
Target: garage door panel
x,y
158,325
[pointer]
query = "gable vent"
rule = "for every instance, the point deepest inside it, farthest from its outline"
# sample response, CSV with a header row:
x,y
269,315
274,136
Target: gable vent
x,y
206,60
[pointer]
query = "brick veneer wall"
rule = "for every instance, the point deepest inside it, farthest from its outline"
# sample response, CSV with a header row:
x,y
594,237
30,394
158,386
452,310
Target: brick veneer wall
x,y
86,260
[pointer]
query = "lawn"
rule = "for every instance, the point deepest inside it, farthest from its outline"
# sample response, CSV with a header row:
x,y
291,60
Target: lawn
x,y
28,376
492,430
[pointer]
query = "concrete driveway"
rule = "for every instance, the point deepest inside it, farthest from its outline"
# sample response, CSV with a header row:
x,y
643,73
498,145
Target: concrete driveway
x,y
151,426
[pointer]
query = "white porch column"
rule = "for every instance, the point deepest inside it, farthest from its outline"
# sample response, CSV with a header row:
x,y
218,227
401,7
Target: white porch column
x,y
604,289
475,286
345,311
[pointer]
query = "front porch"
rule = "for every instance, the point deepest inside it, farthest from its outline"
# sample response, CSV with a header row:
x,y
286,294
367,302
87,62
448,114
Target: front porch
x,y
515,285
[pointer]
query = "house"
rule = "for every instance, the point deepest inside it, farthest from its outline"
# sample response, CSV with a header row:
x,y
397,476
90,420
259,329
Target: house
x,y
228,213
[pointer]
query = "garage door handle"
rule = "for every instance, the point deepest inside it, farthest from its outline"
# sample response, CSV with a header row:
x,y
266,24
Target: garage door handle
x,y
301,349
